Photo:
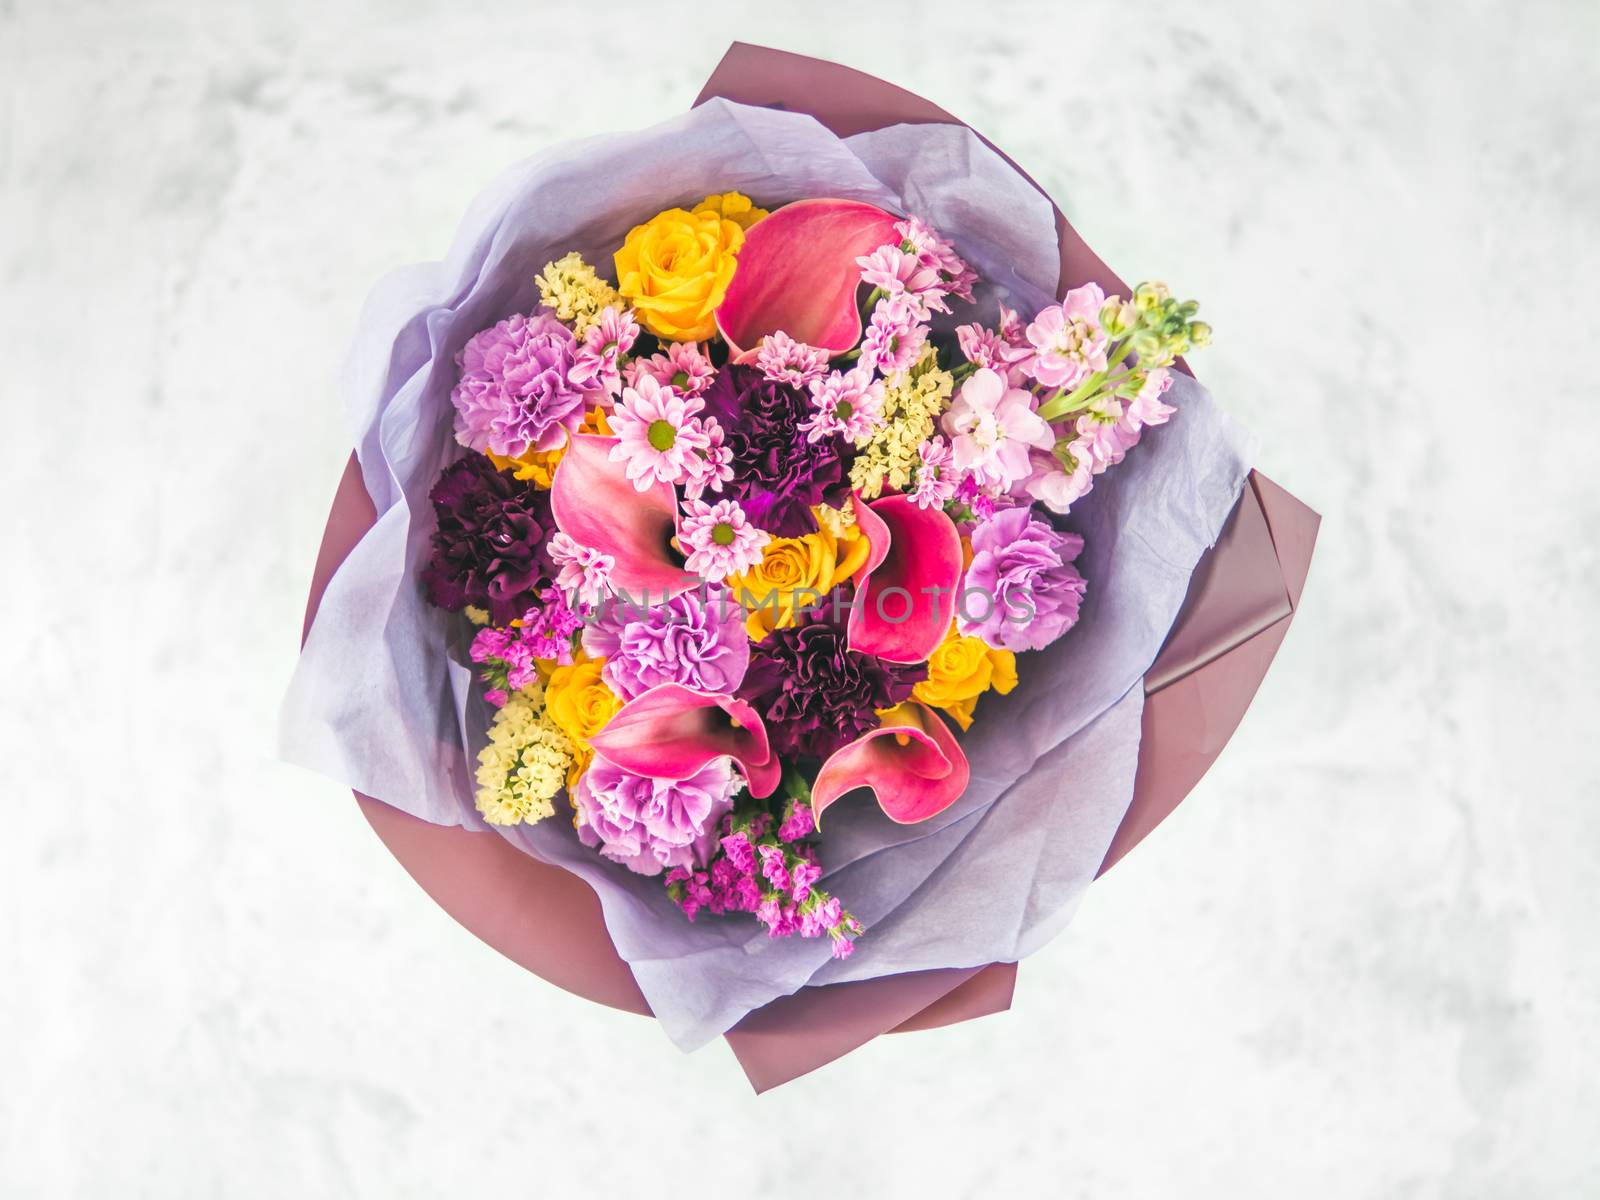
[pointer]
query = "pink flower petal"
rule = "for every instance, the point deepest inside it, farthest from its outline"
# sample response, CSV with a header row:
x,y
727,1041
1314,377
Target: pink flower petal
x,y
911,763
672,732
596,505
907,587
797,274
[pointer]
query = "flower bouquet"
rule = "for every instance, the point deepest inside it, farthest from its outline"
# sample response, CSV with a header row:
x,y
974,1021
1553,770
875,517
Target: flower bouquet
x,y
780,544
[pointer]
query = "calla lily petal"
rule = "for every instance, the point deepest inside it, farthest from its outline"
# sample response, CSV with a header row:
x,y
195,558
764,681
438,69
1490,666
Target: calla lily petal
x,y
596,505
911,762
906,591
672,732
797,273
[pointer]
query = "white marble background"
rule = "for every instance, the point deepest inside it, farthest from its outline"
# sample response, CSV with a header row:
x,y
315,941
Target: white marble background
x,y
1359,962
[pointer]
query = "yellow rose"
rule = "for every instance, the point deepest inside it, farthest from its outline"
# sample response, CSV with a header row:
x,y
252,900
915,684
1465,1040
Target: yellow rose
x,y
960,670
580,703
793,573
539,466
675,268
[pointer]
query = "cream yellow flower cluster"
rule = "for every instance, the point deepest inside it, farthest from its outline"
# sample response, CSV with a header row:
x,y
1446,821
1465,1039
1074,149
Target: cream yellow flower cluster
x,y
525,763
912,402
575,293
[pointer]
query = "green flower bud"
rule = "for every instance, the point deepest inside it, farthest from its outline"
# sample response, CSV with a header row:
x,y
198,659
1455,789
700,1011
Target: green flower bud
x,y
1146,344
1148,296
1200,335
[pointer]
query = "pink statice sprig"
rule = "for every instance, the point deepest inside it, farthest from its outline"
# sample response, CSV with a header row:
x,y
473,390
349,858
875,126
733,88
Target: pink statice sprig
x,y
768,867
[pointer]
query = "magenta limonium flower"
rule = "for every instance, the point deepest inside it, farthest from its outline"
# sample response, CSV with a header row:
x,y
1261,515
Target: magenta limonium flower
x,y
848,404
506,657
784,360
659,435
719,539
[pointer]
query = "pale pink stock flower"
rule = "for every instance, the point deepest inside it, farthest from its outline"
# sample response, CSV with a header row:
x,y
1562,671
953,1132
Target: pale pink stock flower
x,y
936,475
1068,340
848,403
1104,436
1054,485
784,360
659,436
894,337
991,426
603,344
1147,408
683,367
720,539
583,571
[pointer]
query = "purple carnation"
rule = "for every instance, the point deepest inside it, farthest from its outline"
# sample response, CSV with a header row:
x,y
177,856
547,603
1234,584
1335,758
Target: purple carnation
x,y
778,475
696,639
516,392
648,825
815,693
1021,591
488,549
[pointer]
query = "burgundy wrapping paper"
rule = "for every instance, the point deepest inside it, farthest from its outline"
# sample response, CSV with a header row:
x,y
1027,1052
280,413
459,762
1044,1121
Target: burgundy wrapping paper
x,y
1237,611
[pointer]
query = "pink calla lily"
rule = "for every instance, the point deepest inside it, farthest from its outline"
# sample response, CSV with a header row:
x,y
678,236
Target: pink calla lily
x,y
672,732
906,590
597,506
797,273
911,763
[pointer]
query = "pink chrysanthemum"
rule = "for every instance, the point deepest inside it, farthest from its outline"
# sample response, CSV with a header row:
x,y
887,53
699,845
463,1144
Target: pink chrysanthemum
x,y
603,344
894,337
719,539
898,273
1068,340
848,404
936,474
683,367
582,571
660,436
713,466
933,251
784,360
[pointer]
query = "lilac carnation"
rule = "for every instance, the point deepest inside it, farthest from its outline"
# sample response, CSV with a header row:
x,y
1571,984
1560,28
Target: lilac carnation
x,y
696,639
488,547
649,825
1021,591
516,392
778,474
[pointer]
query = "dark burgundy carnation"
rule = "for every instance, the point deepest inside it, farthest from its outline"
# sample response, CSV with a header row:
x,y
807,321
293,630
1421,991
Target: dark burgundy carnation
x,y
488,549
778,474
814,692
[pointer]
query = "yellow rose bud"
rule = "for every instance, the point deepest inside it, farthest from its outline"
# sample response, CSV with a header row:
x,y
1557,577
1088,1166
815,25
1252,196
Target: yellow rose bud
x,y
960,670
735,206
675,268
580,703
